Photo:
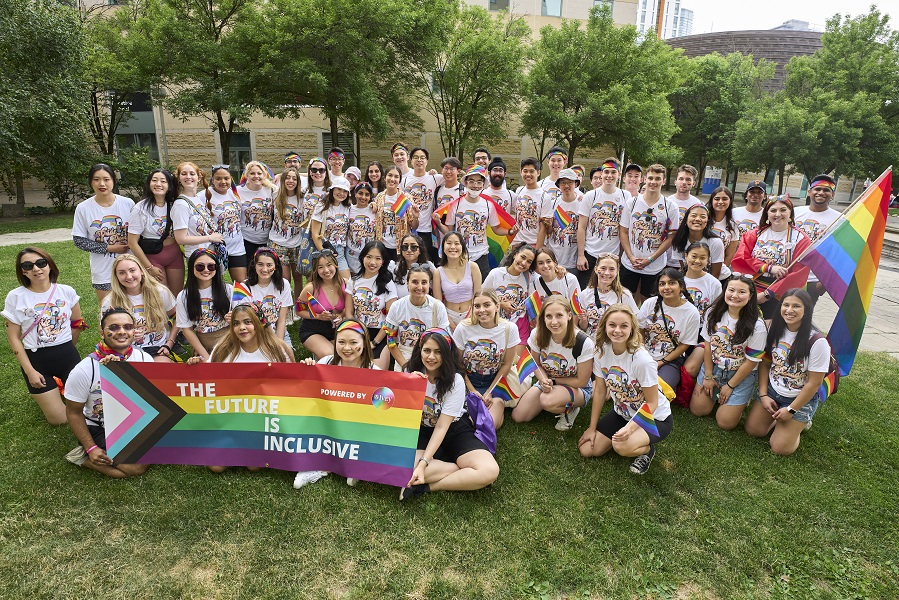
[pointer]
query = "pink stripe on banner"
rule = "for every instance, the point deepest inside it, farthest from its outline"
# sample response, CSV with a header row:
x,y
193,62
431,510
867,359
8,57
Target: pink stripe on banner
x,y
134,412
237,457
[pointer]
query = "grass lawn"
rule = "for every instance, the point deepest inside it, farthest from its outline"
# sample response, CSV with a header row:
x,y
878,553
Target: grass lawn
x,y
30,223
717,516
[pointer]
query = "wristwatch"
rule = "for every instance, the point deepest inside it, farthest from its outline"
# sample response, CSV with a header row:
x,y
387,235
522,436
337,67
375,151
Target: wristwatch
x,y
791,410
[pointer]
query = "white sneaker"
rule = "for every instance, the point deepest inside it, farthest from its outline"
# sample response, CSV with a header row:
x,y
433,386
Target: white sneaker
x,y
566,420
77,455
807,426
305,477
352,481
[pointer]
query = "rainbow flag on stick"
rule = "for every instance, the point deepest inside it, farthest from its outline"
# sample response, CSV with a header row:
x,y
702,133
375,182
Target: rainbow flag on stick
x,y
401,205
315,307
241,294
526,365
497,244
845,261
576,307
562,217
533,304
503,391
645,420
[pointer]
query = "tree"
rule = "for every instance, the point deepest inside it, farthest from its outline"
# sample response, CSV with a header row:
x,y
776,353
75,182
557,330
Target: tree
x,y
708,106
474,87
602,85
349,59
41,98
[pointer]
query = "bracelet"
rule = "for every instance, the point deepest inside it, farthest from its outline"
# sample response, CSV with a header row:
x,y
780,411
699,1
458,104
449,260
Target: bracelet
x,y
764,396
92,448
729,385
426,461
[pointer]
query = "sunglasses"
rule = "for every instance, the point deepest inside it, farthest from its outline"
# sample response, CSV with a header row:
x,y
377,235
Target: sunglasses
x,y
409,247
116,327
40,263
319,253
200,267
317,170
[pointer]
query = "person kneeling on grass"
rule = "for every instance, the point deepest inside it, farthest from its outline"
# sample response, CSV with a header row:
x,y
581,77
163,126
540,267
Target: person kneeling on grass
x,y
84,400
449,456
628,374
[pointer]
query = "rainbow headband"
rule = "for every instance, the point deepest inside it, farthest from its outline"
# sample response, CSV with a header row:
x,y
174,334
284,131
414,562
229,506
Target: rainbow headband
x,y
205,251
823,183
352,326
292,156
335,154
442,333
554,153
610,164
319,159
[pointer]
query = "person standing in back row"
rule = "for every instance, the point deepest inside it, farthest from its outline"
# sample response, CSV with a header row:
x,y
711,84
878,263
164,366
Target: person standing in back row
x,y
814,219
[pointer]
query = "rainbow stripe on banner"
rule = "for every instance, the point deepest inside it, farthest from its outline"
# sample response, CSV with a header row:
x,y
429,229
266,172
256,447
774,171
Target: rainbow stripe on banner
x,y
285,416
845,260
645,420
562,217
401,205
240,294
526,365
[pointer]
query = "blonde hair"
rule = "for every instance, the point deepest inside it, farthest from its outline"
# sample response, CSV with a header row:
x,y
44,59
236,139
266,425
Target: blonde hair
x,y
272,348
543,334
616,285
487,293
154,310
634,341
266,176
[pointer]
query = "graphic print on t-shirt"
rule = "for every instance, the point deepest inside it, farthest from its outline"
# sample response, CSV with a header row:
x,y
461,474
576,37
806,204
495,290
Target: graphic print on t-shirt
x,y
472,224
110,230
481,356
367,306
658,342
646,230
627,393
769,251
723,350
410,331
258,214
556,365
604,220
54,319
791,377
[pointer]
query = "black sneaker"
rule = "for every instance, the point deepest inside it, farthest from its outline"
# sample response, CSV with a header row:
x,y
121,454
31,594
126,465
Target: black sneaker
x,y
641,464
415,491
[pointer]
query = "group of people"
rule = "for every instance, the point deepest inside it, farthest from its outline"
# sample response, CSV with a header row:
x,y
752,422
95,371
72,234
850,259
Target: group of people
x,y
616,293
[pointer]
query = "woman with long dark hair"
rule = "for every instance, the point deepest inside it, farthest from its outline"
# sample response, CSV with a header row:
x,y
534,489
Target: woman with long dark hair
x,y
204,303
374,293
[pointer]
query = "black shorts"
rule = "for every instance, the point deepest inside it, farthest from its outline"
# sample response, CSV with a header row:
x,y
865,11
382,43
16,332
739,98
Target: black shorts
x,y
459,440
583,277
98,434
376,349
237,262
634,279
310,327
611,422
484,265
391,255
770,308
251,249
52,361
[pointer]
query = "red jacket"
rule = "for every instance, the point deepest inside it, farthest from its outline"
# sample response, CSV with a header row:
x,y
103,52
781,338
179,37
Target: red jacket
x,y
745,262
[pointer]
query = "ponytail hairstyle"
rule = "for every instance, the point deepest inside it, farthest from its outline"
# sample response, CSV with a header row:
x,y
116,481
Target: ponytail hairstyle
x,y
749,313
694,246
802,345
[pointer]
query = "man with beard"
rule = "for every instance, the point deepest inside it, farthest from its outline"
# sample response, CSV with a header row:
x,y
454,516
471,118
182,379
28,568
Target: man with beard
x,y
528,202
498,190
814,219
686,177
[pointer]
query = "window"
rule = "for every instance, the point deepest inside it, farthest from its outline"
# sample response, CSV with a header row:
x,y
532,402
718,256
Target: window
x,y
139,140
240,153
347,143
609,3
552,8
499,4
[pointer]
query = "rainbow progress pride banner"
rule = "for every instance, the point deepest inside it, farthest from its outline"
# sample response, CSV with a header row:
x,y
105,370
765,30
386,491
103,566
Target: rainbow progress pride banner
x,y
354,422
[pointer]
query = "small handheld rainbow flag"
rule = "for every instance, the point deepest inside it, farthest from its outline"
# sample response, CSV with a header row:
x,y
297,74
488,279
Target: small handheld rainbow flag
x,y
401,205
241,294
502,391
526,365
576,307
562,217
533,304
315,307
644,419
234,189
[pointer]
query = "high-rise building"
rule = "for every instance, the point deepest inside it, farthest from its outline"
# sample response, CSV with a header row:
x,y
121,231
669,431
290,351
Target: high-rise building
x,y
678,20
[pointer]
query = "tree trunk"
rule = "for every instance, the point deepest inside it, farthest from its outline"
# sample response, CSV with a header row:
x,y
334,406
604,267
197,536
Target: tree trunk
x,y
332,121
17,209
357,150
780,180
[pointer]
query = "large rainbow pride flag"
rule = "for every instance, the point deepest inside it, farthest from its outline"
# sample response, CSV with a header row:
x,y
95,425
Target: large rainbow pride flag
x,y
497,244
845,260
283,416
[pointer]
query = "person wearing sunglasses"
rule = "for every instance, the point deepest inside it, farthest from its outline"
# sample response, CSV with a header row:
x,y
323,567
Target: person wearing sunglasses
x,y
412,252
318,183
43,321
84,400
204,304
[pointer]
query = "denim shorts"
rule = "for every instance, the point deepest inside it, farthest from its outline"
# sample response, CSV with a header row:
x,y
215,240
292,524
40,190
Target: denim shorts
x,y
342,264
741,394
587,389
804,414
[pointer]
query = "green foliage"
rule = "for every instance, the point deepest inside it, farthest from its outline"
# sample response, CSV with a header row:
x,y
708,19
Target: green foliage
x,y
602,86
133,164
710,103
474,87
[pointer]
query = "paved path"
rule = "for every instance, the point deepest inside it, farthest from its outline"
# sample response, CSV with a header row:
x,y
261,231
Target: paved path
x,y
881,330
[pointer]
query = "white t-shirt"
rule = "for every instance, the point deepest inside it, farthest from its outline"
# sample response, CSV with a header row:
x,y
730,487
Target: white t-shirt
x,y
595,311
149,222
249,357
421,191
526,207
720,228
256,214
83,386
209,320
563,286
683,321
704,291
483,349
410,321
361,228
789,380
288,232
200,222
388,222
23,306
311,201
728,356
563,241
626,375
104,224
326,360
684,205
271,299
776,247
402,290
452,404
648,226
471,219
370,306
557,360
226,211
335,223
510,288
502,196
747,221
814,224
143,338
603,214
716,253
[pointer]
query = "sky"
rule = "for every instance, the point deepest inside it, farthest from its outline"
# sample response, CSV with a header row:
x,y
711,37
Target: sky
x,y
735,15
